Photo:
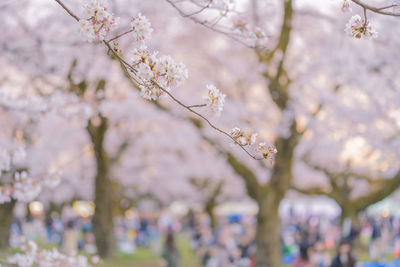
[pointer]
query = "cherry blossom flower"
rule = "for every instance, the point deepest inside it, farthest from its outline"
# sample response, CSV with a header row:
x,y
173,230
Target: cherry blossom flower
x,y
21,186
31,255
142,28
156,72
242,138
215,100
25,188
255,37
360,29
99,23
267,152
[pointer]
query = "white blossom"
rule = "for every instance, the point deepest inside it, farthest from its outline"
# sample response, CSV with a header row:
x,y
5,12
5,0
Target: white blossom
x,y
359,29
215,100
267,152
156,72
25,188
243,138
141,28
31,255
99,22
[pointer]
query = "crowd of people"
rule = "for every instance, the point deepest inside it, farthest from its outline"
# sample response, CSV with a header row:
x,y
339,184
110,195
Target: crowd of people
x,y
313,241
306,242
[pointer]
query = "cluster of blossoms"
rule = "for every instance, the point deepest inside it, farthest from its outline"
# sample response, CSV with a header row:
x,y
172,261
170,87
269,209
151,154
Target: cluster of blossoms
x,y
31,105
25,188
245,139
255,37
66,105
268,152
31,255
69,106
359,28
21,186
215,100
99,23
8,158
242,138
157,73
141,27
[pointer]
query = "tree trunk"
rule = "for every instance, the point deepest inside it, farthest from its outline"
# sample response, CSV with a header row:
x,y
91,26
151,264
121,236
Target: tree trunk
x,y
210,211
6,217
349,212
103,225
267,236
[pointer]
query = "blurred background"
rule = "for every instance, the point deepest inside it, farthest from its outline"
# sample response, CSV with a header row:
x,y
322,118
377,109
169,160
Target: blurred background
x,y
145,183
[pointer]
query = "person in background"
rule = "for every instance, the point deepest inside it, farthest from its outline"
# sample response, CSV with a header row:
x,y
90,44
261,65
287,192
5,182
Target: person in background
x,y
70,239
171,253
304,258
344,257
320,257
375,246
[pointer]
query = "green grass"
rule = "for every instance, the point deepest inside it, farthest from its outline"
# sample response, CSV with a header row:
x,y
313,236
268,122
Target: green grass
x,y
187,256
142,258
145,257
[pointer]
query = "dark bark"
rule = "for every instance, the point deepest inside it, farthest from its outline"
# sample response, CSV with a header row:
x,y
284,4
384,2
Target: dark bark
x,y
103,225
268,240
6,217
210,212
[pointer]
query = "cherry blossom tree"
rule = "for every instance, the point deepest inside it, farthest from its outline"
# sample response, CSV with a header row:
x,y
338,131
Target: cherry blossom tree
x,y
290,74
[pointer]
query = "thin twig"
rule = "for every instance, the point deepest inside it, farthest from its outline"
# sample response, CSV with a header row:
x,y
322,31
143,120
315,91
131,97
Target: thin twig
x,y
386,7
120,35
200,10
365,19
69,11
376,9
211,27
197,106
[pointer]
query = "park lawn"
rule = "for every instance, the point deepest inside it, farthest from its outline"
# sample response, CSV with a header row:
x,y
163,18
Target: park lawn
x,y
145,257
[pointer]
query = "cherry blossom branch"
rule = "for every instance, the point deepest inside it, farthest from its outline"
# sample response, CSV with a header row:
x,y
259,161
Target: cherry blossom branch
x,y
376,9
205,119
134,71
